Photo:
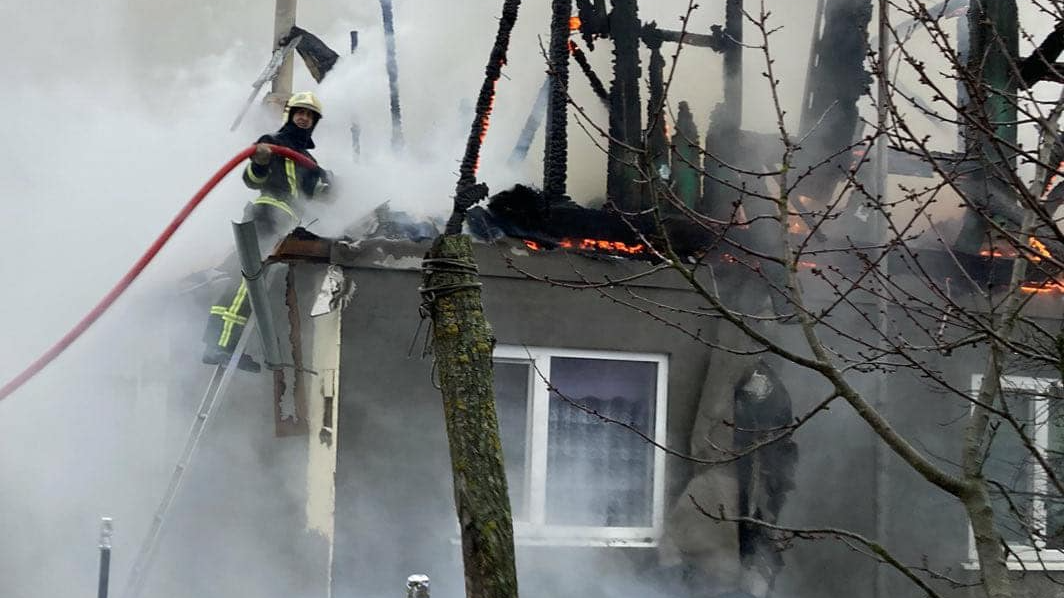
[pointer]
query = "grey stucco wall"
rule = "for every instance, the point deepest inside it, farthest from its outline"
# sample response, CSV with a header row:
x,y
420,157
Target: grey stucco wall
x,y
394,506
395,513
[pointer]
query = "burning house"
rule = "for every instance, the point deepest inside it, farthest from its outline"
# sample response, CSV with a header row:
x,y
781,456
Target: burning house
x,y
722,382
664,434
621,408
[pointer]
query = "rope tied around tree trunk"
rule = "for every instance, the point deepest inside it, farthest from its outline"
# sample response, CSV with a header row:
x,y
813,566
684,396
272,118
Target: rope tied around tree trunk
x,y
429,294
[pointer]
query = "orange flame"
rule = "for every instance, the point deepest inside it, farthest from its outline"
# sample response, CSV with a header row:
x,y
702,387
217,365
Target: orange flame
x,y
574,23
1040,247
1052,181
796,225
485,122
1051,286
593,245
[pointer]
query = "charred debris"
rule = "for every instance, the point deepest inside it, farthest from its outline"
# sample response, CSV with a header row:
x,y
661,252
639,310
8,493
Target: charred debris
x,y
705,167
706,172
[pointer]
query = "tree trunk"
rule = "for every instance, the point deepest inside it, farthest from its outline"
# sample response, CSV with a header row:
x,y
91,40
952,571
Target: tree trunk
x,y
993,571
463,344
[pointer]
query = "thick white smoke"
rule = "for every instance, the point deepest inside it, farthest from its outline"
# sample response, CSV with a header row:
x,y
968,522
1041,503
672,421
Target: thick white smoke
x,y
116,111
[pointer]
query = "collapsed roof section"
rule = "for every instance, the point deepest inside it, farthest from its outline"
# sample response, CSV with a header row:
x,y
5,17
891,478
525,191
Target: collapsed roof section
x,y
521,228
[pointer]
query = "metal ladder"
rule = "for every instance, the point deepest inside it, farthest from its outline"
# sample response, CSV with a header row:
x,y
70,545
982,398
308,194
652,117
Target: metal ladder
x,y
216,388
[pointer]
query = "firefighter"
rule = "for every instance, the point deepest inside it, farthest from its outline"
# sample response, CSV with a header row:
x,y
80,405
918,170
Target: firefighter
x,y
284,187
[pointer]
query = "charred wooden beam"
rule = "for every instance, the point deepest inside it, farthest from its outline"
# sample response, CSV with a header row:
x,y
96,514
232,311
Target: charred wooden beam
x,y
556,148
723,133
625,108
1055,73
733,63
592,78
468,192
656,138
715,40
594,20
387,16
835,81
1040,65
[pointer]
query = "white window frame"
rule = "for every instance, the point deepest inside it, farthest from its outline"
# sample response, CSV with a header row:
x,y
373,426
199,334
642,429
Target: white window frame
x,y
1025,557
536,530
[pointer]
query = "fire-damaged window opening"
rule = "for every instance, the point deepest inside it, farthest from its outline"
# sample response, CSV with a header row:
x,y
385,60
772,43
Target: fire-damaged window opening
x,y
573,479
1035,403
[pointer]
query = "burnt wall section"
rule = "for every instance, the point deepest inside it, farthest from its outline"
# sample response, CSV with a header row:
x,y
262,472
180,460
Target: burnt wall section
x,y
836,80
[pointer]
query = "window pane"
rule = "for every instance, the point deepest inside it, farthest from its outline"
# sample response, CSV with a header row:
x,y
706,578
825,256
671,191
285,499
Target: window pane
x,y
511,403
1055,456
1011,465
599,474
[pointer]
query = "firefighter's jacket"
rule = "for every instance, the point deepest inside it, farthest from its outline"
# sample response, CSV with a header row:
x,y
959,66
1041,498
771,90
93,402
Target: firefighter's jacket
x,y
284,184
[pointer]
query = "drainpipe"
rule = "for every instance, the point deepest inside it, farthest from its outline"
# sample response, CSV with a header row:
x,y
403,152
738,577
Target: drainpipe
x,y
106,531
253,270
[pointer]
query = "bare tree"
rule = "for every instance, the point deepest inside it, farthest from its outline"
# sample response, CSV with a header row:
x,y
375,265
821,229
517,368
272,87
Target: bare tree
x,y
868,271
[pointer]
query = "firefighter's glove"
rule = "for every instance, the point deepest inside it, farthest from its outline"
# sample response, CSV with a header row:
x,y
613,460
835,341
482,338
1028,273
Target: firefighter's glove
x,y
262,154
324,184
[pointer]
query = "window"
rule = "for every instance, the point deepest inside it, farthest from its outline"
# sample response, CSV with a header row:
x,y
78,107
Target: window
x,y
1029,515
575,479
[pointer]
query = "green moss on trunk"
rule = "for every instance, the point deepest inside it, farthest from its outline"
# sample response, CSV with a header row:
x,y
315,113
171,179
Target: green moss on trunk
x,y
463,344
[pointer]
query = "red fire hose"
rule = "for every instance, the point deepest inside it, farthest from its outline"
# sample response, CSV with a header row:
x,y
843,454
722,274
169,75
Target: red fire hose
x,y
35,367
